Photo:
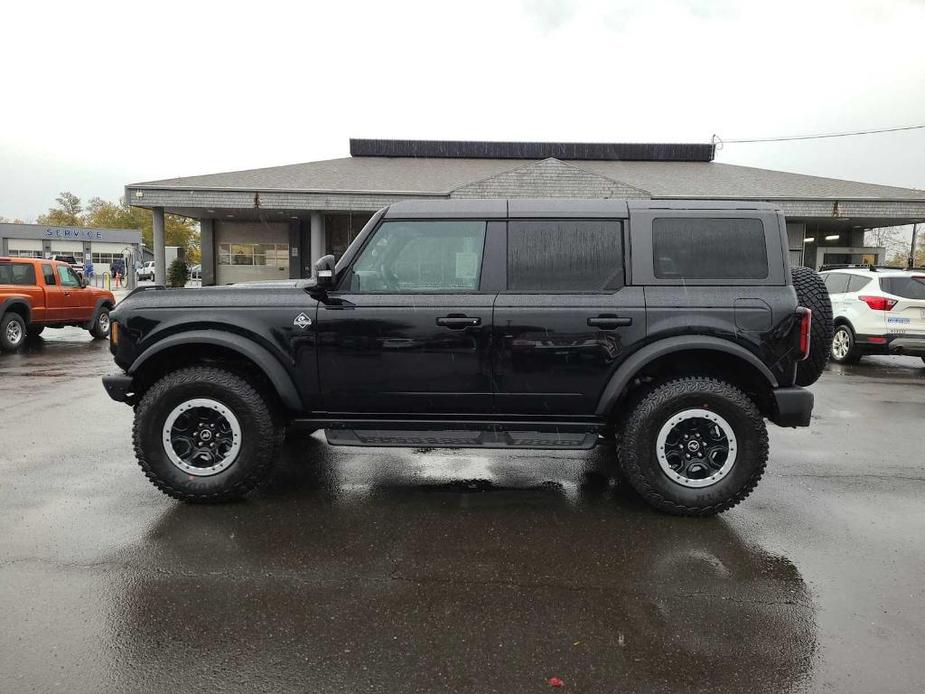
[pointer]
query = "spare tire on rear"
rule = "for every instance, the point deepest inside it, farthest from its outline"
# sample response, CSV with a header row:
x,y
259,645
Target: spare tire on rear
x,y
812,294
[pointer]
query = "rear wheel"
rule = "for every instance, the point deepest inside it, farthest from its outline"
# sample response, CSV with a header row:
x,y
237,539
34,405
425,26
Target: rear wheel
x,y
812,294
694,446
12,332
205,435
844,351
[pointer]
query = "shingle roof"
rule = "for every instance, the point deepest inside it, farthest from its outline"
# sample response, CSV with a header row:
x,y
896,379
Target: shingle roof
x,y
442,176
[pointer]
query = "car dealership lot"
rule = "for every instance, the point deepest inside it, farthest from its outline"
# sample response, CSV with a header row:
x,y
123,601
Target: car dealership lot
x,y
359,570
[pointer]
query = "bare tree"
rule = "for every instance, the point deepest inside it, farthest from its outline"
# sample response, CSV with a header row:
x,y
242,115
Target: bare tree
x,y
894,239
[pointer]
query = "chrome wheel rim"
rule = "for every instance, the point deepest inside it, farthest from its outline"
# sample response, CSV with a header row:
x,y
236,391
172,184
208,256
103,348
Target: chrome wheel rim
x,y
202,437
840,344
103,322
696,448
14,332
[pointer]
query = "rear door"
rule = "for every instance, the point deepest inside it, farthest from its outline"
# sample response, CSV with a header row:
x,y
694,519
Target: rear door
x,y
565,316
409,328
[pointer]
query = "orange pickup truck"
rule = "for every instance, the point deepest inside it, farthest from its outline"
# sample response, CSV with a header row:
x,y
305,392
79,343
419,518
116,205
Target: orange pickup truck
x,y
36,294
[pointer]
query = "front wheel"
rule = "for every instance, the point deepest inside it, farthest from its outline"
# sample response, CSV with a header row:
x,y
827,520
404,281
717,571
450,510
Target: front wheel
x,y
101,324
694,446
205,435
844,351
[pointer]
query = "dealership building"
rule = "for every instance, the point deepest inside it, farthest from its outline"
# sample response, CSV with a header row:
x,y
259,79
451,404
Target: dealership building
x,y
273,223
102,246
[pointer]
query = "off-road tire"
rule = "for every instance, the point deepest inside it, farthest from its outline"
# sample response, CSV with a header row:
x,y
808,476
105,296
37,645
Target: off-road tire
x,y
261,434
8,325
637,450
35,329
98,331
854,354
812,294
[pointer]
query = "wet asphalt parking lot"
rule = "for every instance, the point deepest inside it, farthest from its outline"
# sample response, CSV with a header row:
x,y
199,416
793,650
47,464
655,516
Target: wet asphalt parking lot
x,y
357,570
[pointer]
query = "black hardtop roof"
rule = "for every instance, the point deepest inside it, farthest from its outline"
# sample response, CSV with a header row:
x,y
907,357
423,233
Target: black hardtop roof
x,y
554,207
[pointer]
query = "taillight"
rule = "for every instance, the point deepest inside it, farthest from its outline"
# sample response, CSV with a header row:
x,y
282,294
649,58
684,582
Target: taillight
x,y
879,303
806,325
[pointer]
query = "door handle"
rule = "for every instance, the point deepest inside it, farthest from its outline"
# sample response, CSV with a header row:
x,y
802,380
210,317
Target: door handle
x,y
456,321
609,322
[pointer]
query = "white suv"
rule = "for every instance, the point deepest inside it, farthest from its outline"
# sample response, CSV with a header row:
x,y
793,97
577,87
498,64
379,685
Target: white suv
x,y
876,311
145,272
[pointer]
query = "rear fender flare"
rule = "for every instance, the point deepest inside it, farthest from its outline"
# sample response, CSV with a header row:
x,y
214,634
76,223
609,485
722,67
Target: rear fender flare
x,y
18,302
265,361
638,360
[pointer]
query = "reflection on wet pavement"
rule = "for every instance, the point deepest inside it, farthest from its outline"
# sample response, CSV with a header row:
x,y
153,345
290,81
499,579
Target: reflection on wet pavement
x,y
402,570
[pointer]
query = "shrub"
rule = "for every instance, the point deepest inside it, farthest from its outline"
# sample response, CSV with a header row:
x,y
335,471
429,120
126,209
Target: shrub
x,y
177,273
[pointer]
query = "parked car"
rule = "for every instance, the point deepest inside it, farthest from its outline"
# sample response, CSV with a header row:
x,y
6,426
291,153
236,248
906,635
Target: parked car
x,y
36,294
146,272
876,311
675,328
195,273
71,260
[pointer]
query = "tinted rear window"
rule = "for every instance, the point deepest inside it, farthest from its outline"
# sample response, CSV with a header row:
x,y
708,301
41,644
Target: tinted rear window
x,y
906,287
17,273
565,255
709,249
857,283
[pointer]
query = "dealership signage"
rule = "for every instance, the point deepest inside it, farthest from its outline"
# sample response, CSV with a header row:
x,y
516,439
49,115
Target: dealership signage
x,y
82,234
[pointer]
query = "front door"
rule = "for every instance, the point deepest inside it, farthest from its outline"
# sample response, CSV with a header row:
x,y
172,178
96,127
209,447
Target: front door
x,y
566,317
77,301
409,329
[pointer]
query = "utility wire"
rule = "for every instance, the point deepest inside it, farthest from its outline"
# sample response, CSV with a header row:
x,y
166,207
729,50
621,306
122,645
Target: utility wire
x,y
718,140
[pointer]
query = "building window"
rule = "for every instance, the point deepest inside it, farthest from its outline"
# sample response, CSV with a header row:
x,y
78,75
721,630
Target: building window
x,y
254,254
24,253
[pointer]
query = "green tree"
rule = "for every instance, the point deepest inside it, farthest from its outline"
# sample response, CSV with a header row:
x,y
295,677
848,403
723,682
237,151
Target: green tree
x,y
68,213
104,214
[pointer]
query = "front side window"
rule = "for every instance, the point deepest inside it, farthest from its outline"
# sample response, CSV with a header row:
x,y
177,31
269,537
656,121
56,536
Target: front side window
x,y
17,273
709,249
422,256
67,276
565,255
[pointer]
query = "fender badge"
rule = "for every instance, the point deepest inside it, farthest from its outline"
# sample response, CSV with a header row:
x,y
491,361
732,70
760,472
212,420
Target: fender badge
x,y
302,321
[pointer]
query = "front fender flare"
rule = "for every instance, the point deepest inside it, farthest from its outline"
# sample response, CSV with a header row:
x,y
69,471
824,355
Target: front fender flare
x,y
635,362
265,361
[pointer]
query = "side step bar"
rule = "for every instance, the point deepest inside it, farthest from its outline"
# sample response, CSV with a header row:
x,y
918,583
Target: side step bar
x,y
461,438
458,433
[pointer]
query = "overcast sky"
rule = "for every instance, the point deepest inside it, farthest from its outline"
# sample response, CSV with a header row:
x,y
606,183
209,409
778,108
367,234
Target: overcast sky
x,y
99,94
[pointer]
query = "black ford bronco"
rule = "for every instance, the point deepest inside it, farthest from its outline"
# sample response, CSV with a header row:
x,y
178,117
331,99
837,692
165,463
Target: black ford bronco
x,y
675,328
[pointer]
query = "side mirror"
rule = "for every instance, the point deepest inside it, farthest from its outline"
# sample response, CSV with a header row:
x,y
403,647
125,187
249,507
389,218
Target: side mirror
x,y
324,272
83,281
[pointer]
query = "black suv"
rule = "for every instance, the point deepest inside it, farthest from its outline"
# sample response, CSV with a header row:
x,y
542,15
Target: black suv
x,y
674,327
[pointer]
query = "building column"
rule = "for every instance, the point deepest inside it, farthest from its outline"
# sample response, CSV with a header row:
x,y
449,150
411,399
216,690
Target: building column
x,y
295,250
318,240
160,252
207,251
